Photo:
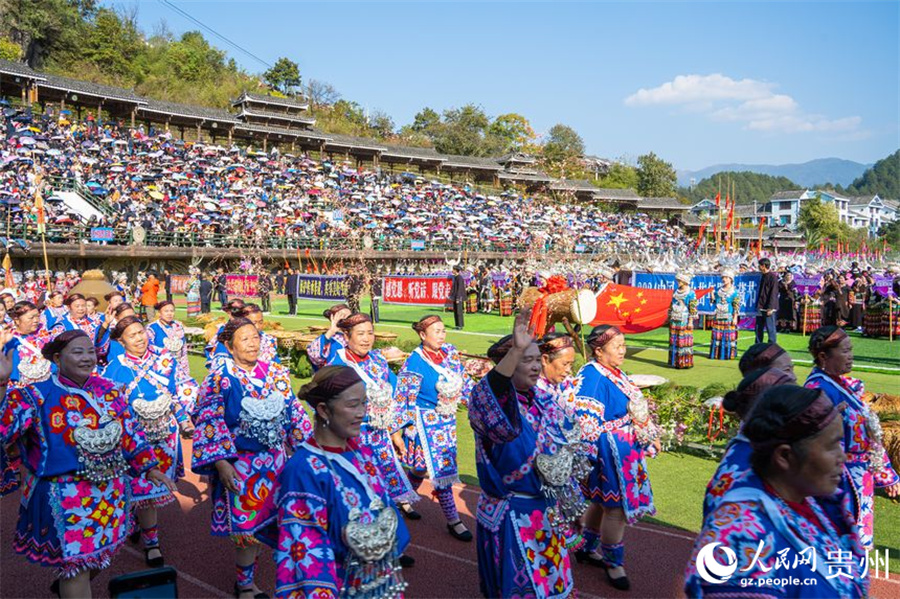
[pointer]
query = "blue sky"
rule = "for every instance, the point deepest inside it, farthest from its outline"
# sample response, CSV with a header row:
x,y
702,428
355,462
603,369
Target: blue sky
x,y
699,83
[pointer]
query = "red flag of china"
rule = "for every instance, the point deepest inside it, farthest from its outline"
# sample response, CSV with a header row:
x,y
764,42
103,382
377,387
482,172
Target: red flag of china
x,y
635,309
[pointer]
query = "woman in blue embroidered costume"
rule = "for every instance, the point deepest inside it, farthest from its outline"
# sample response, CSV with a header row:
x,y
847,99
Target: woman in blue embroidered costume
x,y
681,323
322,349
167,333
723,344
524,453
268,345
734,468
868,465
80,445
557,385
779,532
29,365
383,418
338,534
75,319
246,418
230,309
162,399
431,385
53,311
109,349
618,425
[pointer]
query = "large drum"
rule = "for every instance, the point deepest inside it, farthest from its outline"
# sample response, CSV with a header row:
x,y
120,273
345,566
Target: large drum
x,y
472,303
872,325
812,319
578,306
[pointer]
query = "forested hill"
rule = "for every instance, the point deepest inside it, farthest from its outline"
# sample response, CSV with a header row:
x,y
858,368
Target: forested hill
x,y
882,179
748,187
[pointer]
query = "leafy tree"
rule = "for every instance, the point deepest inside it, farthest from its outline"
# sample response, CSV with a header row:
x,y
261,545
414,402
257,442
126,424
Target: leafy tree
x,y
656,177
890,232
45,26
563,143
192,58
620,176
9,50
511,131
284,75
462,131
882,179
821,220
113,43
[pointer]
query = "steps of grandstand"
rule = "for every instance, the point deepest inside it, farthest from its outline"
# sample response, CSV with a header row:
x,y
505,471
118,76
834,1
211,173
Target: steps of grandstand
x,y
81,200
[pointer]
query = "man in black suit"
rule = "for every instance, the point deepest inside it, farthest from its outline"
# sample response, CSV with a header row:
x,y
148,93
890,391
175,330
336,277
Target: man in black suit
x,y
292,286
167,279
767,302
375,297
206,294
222,288
458,297
265,289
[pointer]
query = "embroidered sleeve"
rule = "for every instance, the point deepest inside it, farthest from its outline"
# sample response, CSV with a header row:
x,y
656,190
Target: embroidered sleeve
x,y
495,416
213,441
692,305
736,302
186,389
299,426
101,344
408,385
16,416
304,558
739,527
138,453
318,350
886,476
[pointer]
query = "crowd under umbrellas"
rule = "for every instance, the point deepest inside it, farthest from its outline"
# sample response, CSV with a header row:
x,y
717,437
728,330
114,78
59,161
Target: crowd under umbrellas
x,y
165,185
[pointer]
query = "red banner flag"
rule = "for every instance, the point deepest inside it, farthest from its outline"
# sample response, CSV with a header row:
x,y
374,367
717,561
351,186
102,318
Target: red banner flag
x,y
700,235
635,309
762,223
419,291
718,198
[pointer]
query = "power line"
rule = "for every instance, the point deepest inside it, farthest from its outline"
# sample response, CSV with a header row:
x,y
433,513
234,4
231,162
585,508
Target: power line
x,y
234,45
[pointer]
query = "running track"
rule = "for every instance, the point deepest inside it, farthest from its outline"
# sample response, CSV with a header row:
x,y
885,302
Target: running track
x,y
444,566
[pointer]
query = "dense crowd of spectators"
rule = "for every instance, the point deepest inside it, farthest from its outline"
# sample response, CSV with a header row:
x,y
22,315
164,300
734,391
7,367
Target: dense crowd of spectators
x,y
200,191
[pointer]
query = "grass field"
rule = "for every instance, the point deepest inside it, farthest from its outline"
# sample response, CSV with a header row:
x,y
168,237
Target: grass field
x,y
678,479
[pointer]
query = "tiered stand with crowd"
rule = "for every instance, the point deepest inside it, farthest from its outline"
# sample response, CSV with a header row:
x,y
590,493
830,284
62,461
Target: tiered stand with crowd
x,y
98,395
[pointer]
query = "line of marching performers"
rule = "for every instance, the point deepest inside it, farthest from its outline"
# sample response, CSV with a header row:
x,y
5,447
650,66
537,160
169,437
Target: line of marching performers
x,y
561,459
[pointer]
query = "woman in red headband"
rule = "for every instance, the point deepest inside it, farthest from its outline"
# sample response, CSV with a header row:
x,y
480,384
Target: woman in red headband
x,y
618,427
780,532
867,462
431,386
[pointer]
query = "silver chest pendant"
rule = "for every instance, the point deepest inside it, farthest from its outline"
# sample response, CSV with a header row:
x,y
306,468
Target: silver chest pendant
x,y
99,450
262,419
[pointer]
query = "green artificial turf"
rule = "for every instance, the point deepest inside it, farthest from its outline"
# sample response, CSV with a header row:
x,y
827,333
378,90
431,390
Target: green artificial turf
x,y
877,360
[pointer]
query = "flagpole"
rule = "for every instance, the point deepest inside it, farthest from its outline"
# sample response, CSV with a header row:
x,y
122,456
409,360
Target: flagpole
x,y
719,216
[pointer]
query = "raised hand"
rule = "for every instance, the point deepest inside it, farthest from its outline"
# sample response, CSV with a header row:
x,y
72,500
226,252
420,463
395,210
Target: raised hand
x,y
523,332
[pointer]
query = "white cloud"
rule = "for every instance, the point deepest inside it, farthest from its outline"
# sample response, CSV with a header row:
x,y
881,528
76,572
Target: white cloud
x,y
752,103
